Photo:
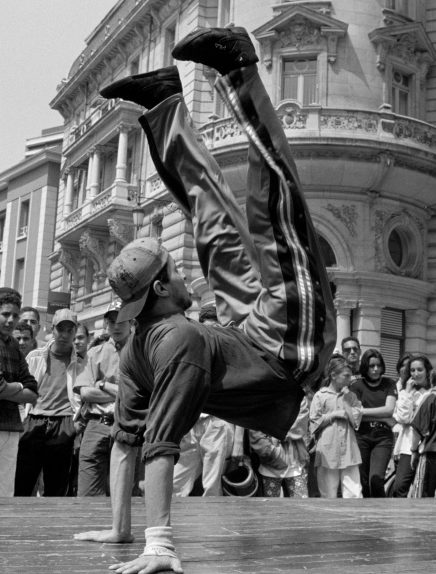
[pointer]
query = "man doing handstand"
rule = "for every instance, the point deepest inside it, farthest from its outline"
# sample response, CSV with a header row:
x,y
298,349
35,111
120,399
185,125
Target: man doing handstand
x,y
269,281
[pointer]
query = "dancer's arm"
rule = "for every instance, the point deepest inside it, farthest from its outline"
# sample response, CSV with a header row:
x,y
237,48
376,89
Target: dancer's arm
x,y
122,471
159,553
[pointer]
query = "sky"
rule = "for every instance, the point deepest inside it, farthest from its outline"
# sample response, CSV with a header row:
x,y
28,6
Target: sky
x,y
40,39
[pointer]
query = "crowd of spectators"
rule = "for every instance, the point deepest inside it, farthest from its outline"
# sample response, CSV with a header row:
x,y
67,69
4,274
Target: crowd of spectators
x,y
57,409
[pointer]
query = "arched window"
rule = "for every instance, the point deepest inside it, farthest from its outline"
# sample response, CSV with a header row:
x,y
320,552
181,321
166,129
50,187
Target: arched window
x,y
327,252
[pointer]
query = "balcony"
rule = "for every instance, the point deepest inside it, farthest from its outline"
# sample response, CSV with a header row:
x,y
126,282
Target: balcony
x,y
96,211
340,148
99,127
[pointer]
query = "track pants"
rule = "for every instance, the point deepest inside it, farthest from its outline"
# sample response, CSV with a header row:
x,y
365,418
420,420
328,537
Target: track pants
x,y
267,276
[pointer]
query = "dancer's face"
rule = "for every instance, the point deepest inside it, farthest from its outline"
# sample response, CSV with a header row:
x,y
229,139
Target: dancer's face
x,y
176,287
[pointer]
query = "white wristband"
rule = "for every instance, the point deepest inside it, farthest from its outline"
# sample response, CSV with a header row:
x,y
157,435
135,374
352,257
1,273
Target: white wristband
x,y
159,541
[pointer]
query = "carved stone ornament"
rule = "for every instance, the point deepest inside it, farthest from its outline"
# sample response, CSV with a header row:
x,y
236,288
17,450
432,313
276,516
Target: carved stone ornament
x,y
95,250
300,34
121,232
291,116
347,214
70,259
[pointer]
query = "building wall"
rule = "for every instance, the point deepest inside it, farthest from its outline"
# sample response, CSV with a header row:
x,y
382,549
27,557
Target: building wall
x,y
368,174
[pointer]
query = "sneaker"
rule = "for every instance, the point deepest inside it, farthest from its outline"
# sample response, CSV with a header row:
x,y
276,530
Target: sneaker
x,y
148,89
224,49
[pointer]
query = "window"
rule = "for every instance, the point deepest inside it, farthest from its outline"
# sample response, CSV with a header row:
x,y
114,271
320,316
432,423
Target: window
x,y
170,41
392,338
134,66
2,229
19,275
129,163
79,188
327,252
299,81
24,218
401,6
400,93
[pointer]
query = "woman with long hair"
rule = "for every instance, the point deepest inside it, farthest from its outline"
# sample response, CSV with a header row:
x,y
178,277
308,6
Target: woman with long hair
x,y
423,444
414,388
378,395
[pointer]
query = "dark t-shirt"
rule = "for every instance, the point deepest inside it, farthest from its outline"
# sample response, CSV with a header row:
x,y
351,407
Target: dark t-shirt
x,y
373,397
174,369
424,422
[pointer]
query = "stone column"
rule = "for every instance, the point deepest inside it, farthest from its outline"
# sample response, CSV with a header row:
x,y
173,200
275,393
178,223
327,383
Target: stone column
x,y
68,198
89,176
343,324
121,167
368,325
94,188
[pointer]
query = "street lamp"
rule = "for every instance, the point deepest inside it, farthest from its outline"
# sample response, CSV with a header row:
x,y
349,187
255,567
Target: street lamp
x,y
138,219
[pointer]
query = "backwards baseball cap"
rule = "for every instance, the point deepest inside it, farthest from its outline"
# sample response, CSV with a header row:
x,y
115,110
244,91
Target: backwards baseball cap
x,y
113,307
64,315
132,273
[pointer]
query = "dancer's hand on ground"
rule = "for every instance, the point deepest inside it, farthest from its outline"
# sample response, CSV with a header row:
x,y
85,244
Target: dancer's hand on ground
x,y
148,565
105,536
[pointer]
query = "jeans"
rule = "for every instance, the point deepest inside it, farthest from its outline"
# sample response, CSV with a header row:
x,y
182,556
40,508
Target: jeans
x,y
404,476
8,461
94,460
46,444
375,449
429,487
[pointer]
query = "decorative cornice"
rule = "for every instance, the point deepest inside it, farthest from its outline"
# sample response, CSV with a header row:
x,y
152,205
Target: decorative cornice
x,y
297,28
408,42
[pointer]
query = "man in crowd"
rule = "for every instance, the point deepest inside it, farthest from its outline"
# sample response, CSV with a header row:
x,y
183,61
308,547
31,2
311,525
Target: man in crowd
x,y
23,333
270,288
81,341
17,386
98,387
205,451
48,438
351,351
30,315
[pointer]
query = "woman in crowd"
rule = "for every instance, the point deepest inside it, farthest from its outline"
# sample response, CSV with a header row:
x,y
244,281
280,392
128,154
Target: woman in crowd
x,y
378,395
335,413
423,444
414,388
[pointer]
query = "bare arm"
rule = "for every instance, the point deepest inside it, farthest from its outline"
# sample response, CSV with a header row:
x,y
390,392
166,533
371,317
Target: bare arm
x,y
96,395
383,412
159,554
122,471
15,393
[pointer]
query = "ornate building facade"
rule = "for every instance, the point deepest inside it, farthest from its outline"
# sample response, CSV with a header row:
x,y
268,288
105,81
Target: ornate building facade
x,y
354,84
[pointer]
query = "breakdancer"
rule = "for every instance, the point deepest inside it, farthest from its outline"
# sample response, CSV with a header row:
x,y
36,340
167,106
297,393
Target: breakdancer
x,y
272,295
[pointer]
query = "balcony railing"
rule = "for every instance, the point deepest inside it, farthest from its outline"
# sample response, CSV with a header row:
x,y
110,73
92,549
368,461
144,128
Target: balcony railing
x,y
114,194
317,122
79,130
